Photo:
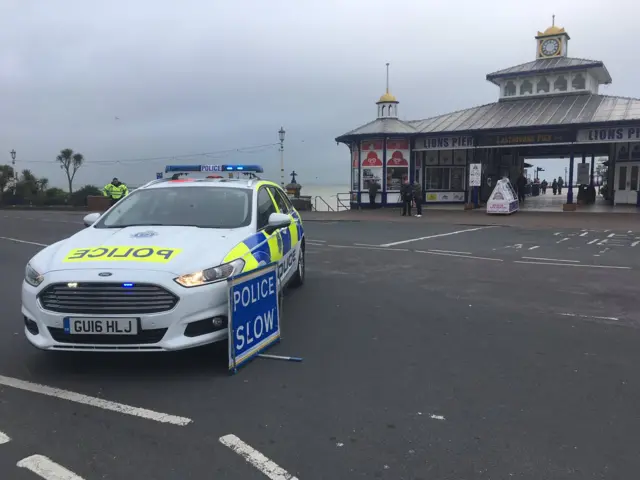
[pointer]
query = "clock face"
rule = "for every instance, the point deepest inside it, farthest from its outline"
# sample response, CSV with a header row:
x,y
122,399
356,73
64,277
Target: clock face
x,y
550,47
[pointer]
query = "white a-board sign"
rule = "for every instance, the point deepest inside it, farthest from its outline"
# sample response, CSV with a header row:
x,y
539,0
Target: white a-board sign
x,y
503,199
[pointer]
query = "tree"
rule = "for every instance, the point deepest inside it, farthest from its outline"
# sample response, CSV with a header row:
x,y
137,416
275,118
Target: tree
x,y
6,176
43,184
70,162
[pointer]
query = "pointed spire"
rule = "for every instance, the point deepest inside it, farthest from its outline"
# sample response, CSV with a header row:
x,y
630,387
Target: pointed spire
x,y
387,77
553,20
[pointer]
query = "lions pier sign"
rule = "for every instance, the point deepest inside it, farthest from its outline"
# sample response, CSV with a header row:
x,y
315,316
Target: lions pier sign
x,y
254,314
610,134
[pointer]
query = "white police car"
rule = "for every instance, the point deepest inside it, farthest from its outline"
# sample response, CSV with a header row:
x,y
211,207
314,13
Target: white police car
x,y
150,273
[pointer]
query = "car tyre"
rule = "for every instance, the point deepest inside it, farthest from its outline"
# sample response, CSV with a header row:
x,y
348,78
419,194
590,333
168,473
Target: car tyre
x,y
298,278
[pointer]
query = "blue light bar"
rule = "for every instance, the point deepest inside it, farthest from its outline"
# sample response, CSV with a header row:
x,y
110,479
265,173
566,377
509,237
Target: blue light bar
x,y
243,168
213,168
182,168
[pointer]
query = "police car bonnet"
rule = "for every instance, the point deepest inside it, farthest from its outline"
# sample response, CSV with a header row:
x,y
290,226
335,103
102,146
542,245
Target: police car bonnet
x,y
174,249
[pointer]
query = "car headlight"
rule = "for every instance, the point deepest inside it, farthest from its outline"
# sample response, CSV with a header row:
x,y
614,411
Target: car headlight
x,y
211,275
32,277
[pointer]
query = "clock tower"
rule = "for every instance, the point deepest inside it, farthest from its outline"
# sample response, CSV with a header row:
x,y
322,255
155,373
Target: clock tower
x,y
552,43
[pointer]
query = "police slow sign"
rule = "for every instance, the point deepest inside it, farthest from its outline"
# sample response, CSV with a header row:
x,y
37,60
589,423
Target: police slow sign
x,y
254,315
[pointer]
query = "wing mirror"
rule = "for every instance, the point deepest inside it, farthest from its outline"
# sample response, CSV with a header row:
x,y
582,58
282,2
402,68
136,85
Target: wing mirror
x,y
91,219
277,221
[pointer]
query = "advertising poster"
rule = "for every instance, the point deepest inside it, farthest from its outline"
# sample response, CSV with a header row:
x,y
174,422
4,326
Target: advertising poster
x,y
397,163
354,169
371,158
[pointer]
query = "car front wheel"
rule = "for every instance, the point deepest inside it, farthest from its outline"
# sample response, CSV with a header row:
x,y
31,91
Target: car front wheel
x,y
298,278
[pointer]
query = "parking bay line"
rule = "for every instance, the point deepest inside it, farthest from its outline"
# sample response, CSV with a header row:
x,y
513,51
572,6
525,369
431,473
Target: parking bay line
x,y
550,259
393,244
573,265
47,468
432,252
17,240
256,459
94,401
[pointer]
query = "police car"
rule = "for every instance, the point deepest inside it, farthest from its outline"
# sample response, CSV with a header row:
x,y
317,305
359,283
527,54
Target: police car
x,y
150,274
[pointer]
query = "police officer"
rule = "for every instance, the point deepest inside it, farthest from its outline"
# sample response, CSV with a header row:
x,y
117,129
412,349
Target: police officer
x,y
115,190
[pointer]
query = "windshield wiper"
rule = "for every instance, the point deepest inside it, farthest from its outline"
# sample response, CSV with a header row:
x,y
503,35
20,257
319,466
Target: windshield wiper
x,y
136,225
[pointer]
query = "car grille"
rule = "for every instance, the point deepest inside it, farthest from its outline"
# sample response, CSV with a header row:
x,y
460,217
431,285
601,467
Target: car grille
x,y
143,337
106,298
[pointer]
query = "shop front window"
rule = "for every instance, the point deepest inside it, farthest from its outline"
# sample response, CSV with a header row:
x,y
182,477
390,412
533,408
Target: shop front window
x,y
370,175
438,178
457,179
395,177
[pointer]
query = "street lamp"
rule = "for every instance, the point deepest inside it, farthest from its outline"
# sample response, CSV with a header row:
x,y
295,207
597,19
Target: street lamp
x,y
281,133
13,157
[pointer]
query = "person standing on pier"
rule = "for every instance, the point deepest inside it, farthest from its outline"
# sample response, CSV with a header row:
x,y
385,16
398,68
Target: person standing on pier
x,y
417,197
373,192
406,192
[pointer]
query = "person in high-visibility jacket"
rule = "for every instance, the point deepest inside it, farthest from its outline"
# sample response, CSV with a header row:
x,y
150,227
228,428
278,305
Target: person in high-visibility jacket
x,y
115,190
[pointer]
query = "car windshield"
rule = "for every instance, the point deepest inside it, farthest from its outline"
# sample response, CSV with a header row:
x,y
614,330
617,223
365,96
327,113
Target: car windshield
x,y
204,207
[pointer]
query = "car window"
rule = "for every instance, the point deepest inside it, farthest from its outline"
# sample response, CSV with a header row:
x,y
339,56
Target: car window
x,y
204,207
265,208
277,195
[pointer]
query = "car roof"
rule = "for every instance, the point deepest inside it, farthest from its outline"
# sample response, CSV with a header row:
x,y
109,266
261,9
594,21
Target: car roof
x,y
240,183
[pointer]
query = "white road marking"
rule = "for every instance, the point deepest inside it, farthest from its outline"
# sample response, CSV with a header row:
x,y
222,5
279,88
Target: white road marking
x,y
315,244
534,247
93,401
558,233
318,241
611,235
4,438
634,244
366,245
430,252
24,241
392,244
615,319
449,251
593,241
436,417
563,240
256,459
370,248
603,242
573,265
584,234
551,259
46,468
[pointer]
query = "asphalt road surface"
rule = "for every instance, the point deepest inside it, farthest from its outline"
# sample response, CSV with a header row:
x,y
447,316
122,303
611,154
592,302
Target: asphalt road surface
x,y
442,351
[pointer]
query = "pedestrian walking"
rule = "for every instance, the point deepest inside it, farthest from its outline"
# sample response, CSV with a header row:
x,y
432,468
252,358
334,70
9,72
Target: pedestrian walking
x,y
554,186
560,185
521,185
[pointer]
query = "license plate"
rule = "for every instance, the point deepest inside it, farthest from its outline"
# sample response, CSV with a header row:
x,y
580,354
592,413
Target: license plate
x,y
101,326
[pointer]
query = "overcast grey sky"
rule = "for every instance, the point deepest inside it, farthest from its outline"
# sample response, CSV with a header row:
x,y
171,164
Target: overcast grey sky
x,y
205,75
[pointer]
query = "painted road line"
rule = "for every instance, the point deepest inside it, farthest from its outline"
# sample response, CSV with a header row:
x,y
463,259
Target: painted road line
x,y
317,241
634,244
315,244
256,459
46,468
573,265
550,259
534,247
377,248
563,240
93,401
366,245
584,234
614,319
430,252
17,240
4,438
611,235
593,241
558,233
449,251
393,244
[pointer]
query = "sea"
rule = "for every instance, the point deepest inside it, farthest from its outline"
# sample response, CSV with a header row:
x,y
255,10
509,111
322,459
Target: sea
x,y
324,198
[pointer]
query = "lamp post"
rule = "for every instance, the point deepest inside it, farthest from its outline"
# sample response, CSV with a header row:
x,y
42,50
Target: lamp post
x,y
13,157
281,133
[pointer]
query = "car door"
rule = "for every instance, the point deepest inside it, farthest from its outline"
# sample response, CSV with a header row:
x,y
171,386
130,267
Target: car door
x,y
291,240
272,251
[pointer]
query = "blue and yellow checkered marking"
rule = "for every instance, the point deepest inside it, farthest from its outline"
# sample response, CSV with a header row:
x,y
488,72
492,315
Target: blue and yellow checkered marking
x,y
260,248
